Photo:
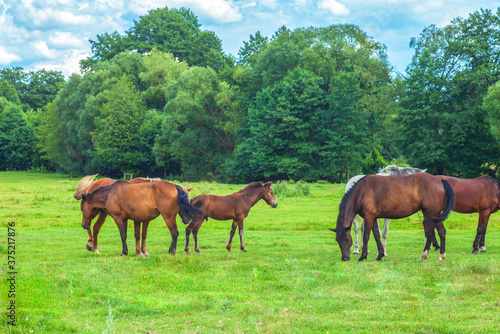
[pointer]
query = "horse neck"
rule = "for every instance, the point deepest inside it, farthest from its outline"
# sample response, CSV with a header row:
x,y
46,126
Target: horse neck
x,y
99,198
252,196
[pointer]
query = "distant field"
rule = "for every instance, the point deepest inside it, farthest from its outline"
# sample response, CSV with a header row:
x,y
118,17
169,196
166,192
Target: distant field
x,y
290,281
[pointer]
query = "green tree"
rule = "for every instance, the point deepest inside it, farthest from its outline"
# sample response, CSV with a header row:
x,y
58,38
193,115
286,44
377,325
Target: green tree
x,y
199,127
492,105
8,92
116,138
284,141
16,140
442,125
175,31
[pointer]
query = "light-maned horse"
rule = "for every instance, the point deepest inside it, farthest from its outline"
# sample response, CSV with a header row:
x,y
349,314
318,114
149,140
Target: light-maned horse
x,y
482,195
140,202
88,185
389,170
234,206
394,197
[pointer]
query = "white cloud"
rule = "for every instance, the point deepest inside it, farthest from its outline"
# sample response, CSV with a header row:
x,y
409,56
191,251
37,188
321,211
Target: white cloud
x,y
42,49
6,57
67,40
68,64
335,7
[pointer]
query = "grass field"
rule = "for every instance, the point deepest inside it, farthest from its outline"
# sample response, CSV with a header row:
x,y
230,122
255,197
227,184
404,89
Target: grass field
x,y
291,280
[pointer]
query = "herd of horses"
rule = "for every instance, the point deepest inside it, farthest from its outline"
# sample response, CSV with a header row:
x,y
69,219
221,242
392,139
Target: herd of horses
x,y
393,193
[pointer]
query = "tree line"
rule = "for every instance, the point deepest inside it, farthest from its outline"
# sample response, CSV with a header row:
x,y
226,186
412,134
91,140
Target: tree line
x,y
317,103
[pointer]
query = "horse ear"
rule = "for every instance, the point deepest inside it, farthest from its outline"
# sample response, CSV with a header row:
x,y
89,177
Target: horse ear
x,y
189,189
83,197
333,230
268,184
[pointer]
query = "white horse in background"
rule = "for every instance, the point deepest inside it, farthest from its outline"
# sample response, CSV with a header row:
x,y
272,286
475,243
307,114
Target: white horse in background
x,y
389,170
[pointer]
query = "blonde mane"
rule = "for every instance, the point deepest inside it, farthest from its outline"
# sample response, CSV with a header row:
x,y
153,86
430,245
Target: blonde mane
x,y
84,183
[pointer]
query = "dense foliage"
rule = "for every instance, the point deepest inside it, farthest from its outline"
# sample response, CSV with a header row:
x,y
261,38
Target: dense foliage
x,y
312,103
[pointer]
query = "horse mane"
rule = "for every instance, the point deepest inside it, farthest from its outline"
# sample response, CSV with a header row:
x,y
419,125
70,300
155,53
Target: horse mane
x,y
89,196
396,170
250,186
150,179
343,208
84,183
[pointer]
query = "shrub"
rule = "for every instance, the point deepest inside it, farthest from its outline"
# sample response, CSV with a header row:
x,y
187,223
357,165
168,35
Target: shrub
x,y
291,189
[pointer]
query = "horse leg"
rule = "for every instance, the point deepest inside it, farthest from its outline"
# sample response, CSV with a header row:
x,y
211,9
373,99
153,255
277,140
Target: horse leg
x,y
376,235
429,235
97,227
240,229
231,235
145,226
385,234
435,243
368,222
122,226
481,232
442,237
137,235
189,228
195,237
356,235
174,232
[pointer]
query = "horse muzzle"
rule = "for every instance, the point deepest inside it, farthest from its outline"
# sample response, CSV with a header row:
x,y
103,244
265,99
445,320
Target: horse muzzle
x,y
274,204
85,226
345,258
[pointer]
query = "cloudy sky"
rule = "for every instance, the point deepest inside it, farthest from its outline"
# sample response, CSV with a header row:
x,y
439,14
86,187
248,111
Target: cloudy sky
x,y
54,34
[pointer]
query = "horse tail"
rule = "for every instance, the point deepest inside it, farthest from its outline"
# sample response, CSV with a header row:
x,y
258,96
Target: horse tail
x,y
198,203
450,202
84,183
186,210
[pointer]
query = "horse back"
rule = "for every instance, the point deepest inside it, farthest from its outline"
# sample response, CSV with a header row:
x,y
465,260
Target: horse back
x,y
474,195
221,207
143,201
98,184
399,196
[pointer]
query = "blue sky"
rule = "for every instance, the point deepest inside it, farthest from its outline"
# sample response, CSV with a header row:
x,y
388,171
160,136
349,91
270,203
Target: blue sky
x,y
54,34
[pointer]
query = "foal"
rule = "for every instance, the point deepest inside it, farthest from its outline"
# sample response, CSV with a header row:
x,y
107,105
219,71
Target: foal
x,y
235,206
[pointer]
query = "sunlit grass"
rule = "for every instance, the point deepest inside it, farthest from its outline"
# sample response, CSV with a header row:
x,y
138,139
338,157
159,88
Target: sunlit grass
x,y
290,281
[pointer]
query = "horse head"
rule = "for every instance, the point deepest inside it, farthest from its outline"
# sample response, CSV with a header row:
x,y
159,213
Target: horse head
x,y
344,240
268,195
88,210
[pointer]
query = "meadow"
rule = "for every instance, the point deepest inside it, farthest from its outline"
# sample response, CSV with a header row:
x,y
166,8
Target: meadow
x,y
291,280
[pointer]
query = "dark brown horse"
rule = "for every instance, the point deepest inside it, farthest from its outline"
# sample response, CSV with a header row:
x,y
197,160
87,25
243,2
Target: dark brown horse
x,y
140,202
88,185
482,195
235,206
394,197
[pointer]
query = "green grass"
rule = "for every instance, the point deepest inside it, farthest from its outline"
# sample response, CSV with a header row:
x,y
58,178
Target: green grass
x,y
290,281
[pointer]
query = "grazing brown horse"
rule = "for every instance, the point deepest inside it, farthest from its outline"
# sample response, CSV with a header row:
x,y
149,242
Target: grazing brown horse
x,y
394,197
88,185
482,195
235,206
140,202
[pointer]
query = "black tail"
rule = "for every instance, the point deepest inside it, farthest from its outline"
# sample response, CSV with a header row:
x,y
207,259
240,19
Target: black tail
x,y
450,202
186,210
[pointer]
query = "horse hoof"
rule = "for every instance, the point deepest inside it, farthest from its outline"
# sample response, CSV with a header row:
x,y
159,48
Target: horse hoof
x,y
483,250
95,251
442,257
228,248
244,250
122,254
425,256
146,254
475,251
355,252
379,258
139,254
198,251
89,248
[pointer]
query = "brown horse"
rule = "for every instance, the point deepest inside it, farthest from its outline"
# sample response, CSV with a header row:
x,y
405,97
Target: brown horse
x,y
140,202
235,206
88,185
482,195
394,197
